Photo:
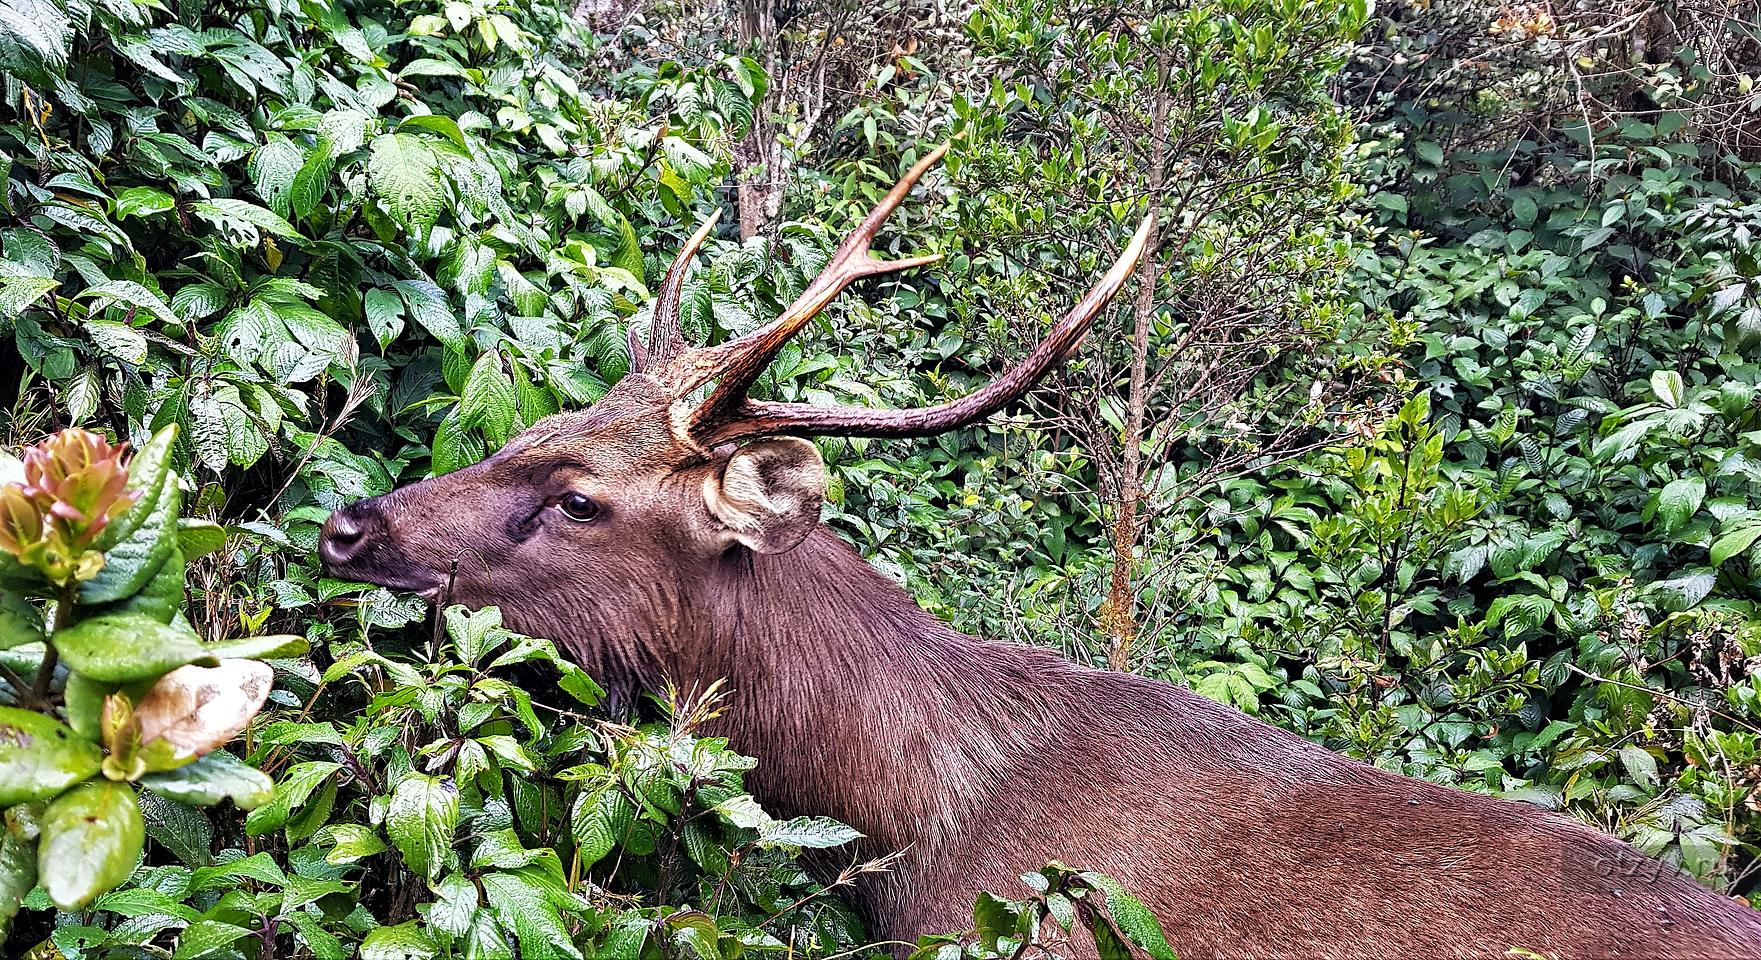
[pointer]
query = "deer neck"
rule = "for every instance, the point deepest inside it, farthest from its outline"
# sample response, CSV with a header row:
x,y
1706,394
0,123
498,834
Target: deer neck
x,y
845,688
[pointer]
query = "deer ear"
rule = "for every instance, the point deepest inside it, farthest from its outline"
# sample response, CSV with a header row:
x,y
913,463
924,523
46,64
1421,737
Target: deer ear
x,y
768,494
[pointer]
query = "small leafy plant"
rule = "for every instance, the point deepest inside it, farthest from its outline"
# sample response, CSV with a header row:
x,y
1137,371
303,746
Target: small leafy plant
x,y
106,688
1063,900
470,818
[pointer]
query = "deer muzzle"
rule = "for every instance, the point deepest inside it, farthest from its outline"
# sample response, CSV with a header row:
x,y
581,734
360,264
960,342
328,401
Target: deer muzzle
x,y
356,544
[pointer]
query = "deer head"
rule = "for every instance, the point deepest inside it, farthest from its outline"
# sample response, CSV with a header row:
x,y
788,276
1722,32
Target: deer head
x,y
603,527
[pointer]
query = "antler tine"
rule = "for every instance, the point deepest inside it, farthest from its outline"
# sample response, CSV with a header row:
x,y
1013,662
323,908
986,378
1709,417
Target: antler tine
x,y
762,418
736,365
664,339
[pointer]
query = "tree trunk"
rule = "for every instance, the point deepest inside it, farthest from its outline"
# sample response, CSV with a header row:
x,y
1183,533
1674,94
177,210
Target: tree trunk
x,y
759,154
1119,612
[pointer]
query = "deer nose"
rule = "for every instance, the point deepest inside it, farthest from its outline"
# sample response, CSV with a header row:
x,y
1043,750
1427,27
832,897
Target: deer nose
x,y
348,534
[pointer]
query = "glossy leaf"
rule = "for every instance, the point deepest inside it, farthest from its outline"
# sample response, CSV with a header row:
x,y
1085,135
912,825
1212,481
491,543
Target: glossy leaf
x,y
421,820
91,838
40,757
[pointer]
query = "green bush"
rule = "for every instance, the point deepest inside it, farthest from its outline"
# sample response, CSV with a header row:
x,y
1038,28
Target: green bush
x,y
147,703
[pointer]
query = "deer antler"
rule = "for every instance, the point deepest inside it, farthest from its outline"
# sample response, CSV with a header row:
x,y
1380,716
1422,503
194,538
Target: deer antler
x,y
736,364
752,418
727,414
664,340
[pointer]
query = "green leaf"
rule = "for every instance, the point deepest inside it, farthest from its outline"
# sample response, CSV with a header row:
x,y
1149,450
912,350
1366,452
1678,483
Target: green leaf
x,y
40,757
83,703
291,791
1640,764
118,340
599,821
143,901
148,473
198,301
1131,918
523,905
1524,210
260,867
307,192
142,202
322,943
810,832
406,175
161,598
273,646
35,37
1667,385
212,778
1734,541
629,253
117,648
1226,685
385,315
273,168
445,126
138,543
18,875
578,684
1685,591
1678,501
128,293
352,841
198,538
179,828
455,901
17,294
406,941
92,836
474,633
488,400
243,219
744,811
207,937
421,820
428,307
21,622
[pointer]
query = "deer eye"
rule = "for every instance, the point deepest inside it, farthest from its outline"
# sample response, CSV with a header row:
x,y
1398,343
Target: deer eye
x,y
579,506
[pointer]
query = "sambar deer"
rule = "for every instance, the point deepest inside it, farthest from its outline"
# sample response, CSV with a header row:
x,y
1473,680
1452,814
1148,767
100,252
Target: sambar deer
x,y
656,537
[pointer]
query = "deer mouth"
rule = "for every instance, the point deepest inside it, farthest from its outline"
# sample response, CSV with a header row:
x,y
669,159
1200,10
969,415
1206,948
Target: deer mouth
x,y
354,545
391,573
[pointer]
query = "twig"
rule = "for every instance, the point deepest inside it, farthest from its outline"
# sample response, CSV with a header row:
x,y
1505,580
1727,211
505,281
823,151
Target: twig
x,y
1666,696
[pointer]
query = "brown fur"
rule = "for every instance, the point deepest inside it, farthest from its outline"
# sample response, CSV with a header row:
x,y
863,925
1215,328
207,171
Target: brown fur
x,y
984,760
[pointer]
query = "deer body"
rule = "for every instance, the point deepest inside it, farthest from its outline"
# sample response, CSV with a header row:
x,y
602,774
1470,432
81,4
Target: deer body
x,y
983,760
657,537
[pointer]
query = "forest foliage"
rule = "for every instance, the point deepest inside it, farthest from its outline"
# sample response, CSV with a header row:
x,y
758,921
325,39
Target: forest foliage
x,y
1434,436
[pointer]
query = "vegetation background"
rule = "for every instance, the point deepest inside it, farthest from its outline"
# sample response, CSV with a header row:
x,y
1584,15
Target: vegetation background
x,y
1432,432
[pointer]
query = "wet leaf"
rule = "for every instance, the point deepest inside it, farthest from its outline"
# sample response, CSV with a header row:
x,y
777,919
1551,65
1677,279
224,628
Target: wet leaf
x,y
1131,918
40,757
160,598
128,646
138,542
810,832
267,647
91,839
424,813
211,779
198,538
406,941
20,621
18,874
